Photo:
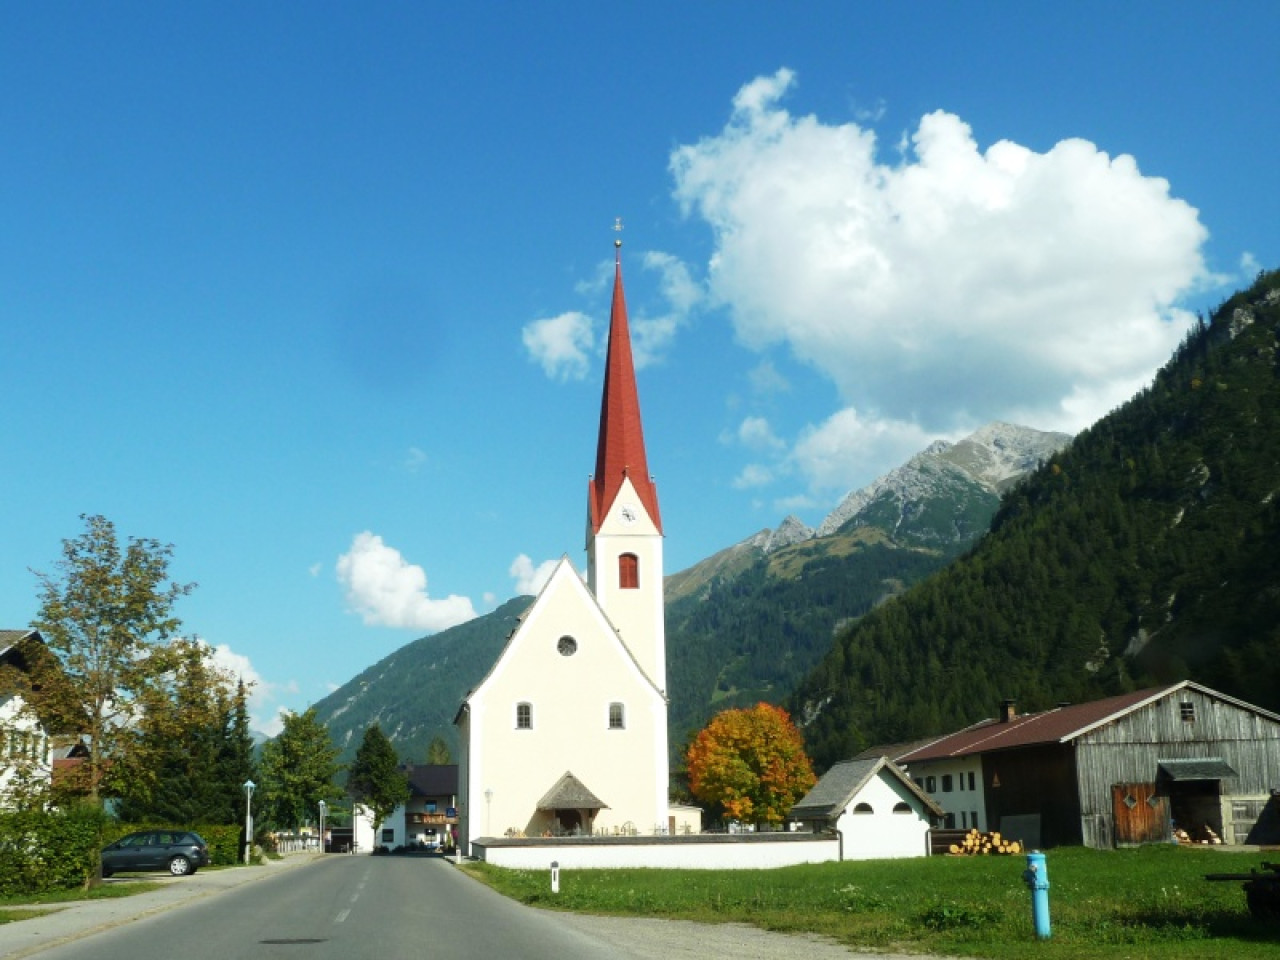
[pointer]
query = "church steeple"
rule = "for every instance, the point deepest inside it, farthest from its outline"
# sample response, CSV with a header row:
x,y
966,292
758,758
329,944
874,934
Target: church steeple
x,y
620,452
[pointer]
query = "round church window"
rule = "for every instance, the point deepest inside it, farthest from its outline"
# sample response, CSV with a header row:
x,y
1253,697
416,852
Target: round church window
x,y
567,646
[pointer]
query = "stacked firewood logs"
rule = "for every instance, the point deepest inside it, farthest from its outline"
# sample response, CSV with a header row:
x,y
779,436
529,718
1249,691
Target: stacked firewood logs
x,y
976,843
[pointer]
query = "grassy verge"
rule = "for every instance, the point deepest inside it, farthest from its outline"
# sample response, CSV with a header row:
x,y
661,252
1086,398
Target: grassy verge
x,y
1116,904
13,909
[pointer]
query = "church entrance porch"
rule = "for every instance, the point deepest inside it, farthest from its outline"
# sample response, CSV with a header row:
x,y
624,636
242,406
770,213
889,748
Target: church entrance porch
x,y
569,807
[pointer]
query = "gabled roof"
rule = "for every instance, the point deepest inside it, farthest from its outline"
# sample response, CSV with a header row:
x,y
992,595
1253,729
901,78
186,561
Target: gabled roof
x,y
570,793
564,573
11,646
839,785
620,451
1059,725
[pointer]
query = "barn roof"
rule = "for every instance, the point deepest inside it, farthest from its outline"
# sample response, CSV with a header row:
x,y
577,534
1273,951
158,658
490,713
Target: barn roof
x,y
1059,725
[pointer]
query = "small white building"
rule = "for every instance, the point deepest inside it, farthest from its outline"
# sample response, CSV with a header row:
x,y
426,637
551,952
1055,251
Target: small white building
x,y
874,808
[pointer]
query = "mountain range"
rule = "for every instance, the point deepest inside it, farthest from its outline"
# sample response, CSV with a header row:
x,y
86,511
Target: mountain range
x,y
745,624
1142,553
1011,564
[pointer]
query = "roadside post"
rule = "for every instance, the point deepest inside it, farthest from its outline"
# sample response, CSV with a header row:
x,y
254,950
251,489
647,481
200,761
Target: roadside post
x,y
555,876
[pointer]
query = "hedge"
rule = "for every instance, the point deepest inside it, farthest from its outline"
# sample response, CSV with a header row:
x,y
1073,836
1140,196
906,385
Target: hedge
x,y
58,850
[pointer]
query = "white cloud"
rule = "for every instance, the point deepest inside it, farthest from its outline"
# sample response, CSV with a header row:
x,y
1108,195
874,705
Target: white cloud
x,y
765,379
651,335
530,579
828,454
754,433
946,288
561,345
753,475
262,697
387,591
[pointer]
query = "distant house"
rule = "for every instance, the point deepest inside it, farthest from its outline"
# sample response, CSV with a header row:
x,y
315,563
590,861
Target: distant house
x,y
426,821
874,807
1113,772
25,747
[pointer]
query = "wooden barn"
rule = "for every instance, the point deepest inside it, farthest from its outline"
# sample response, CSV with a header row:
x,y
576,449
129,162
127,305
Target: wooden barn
x,y
1125,770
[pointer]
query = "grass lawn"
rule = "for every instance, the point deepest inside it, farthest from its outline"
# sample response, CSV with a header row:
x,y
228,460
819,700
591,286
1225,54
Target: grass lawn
x,y
18,908
1144,902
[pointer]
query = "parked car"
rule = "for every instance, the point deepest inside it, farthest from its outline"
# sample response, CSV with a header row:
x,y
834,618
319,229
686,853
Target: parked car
x,y
181,852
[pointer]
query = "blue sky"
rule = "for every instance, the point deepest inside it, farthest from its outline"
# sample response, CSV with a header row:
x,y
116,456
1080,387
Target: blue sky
x,y
317,292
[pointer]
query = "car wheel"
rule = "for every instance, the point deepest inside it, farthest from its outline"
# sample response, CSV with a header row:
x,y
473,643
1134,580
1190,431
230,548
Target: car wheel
x,y
180,866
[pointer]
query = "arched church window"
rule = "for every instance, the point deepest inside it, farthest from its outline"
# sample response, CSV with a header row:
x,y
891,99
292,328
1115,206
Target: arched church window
x,y
524,716
901,807
617,717
629,571
863,808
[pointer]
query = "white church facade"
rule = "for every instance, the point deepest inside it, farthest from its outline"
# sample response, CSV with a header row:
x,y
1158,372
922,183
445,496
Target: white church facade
x,y
567,732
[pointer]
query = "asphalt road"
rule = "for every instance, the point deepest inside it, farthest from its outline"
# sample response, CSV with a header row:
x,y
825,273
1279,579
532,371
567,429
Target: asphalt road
x,y
346,908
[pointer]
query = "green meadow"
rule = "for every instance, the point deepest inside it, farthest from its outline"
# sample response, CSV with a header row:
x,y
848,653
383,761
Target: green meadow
x,y
1144,902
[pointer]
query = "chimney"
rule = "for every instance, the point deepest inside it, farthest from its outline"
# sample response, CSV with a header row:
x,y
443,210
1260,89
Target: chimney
x,y
1008,710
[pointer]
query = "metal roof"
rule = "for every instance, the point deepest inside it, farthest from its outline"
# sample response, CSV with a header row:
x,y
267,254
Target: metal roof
x,y
1059,725
1207,768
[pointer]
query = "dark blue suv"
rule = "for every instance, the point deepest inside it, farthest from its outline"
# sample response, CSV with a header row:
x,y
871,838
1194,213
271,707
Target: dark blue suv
x,y
181,852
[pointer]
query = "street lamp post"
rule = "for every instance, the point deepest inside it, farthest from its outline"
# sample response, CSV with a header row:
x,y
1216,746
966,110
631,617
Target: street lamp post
x,y
248,819
324,808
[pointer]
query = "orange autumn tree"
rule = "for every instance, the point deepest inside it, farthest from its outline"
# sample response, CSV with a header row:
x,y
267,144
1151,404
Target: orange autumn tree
x,y
751,763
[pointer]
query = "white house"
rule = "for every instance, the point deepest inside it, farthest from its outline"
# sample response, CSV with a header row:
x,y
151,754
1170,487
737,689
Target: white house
x,y
567,733
873,806
25,748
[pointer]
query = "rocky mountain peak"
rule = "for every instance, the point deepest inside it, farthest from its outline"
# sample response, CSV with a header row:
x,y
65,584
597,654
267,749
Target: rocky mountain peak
x,y
990,459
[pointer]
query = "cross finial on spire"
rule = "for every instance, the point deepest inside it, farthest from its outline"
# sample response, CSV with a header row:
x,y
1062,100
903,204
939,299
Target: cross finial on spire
x,y
617,228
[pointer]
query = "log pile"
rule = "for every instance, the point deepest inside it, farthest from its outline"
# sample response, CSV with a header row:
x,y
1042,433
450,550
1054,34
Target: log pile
x,y
975,843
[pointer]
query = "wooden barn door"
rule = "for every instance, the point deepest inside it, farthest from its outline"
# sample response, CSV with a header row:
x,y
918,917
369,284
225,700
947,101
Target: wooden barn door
x,y
1140,815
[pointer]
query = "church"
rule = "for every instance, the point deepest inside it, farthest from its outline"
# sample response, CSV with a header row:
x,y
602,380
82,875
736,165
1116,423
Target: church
x,y
567,732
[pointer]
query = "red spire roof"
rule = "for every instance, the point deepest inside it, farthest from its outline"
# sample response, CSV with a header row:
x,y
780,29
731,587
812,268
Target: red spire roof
x,y
620,449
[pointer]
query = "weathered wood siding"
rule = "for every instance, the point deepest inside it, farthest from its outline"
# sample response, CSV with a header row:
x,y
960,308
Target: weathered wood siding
x,y
1128,749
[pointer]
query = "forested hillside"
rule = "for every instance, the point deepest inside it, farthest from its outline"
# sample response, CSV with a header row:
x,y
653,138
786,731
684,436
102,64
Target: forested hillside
x,y
1144,552
415,692
756,634
749,622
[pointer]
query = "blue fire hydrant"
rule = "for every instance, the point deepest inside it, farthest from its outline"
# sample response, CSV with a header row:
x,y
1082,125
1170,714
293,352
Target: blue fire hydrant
x,y
1036,877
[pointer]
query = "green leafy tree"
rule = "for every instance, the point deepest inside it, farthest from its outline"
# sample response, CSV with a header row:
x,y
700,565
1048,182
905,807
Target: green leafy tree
x,y
375,779
750,763
107,615
438,753
298,769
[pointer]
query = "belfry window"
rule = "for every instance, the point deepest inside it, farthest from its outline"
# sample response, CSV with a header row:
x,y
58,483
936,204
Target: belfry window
x,y
617,717
524,716
629,571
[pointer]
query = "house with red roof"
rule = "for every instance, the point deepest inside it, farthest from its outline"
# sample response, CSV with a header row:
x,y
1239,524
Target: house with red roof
x,y
1123,770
